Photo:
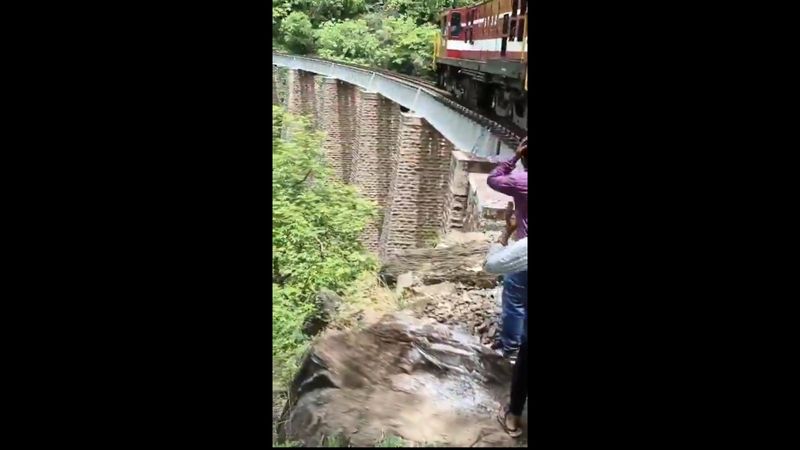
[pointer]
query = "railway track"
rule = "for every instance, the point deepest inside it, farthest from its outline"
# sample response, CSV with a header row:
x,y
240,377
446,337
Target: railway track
x,y
506,131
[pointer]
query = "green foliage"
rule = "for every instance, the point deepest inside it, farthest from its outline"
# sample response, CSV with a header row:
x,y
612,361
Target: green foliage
x,y
391,43
338,441
390,34
351,40
280,9
392,441
317,11
324,10
431,239
424,11
298,34
410,45
316,225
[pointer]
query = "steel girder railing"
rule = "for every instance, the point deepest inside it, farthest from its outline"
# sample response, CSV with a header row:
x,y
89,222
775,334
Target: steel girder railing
x,y
465,133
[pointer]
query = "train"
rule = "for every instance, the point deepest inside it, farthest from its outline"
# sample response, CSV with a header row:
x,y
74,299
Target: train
x,y
481,57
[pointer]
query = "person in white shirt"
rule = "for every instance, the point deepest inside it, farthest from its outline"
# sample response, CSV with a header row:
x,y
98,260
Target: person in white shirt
x,y
503,260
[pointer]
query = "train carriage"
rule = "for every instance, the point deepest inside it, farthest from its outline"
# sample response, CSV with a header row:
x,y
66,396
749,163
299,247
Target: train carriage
x,y
481,57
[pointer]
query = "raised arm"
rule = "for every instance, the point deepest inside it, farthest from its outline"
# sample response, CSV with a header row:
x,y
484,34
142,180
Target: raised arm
x,y
500,178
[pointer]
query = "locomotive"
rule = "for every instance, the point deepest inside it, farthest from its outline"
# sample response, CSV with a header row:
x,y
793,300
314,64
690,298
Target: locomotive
x,y
481,54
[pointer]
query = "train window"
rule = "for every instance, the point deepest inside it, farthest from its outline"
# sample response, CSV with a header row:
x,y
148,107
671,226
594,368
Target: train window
x,y
505,25
521,29
455,24
512,33
514,8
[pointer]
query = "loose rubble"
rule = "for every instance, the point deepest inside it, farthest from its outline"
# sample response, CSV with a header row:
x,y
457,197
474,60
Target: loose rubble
x,y
443,283
477,311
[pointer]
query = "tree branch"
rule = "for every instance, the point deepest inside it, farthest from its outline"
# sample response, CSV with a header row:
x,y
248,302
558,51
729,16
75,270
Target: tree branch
x,y
304,178
321,247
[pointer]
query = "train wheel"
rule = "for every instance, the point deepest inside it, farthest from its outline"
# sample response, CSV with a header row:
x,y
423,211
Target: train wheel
x,y
521,113
501,103
462,89
485,97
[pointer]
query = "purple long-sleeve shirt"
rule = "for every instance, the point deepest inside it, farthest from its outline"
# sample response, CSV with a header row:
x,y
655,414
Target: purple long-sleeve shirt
x,y
515,184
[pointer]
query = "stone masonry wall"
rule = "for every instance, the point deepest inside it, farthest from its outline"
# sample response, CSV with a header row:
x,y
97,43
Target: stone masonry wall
x,y
346,108
310,96
485,207
384,240
462,164
337,153
377,120
293,103
318,81
454,210
418,188
302,94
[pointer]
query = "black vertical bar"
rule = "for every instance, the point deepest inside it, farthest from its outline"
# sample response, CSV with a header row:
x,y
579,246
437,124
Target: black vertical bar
x,y
512,32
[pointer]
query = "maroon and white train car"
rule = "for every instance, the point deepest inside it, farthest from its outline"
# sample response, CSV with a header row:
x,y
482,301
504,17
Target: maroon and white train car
x,y
481,57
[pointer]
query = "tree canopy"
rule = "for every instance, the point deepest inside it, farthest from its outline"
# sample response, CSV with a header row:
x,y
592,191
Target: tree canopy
x,y
389,34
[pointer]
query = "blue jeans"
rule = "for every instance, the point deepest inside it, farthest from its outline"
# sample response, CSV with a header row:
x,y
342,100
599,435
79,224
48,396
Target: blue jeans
x,y
515,311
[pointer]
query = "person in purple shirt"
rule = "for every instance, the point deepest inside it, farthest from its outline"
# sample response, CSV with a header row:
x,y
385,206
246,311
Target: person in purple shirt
x,y
515,286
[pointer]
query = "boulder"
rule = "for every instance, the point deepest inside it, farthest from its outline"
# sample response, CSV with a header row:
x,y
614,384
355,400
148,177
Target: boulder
x,y
461,264
455,237
424,382
327,304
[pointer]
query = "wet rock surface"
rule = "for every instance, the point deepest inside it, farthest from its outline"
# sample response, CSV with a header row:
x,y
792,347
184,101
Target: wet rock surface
x,y
426,382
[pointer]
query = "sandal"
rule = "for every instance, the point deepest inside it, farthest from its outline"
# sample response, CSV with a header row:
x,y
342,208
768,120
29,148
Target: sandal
x,y
502,415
